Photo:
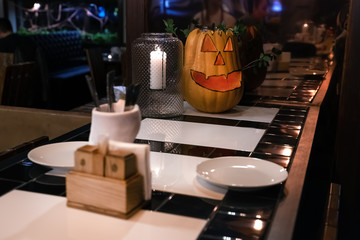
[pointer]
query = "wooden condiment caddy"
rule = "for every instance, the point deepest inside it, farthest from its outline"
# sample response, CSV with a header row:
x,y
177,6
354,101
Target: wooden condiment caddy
x,y
107,184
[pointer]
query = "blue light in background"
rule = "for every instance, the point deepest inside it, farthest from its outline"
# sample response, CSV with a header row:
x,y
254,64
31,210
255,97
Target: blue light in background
x,y
277,7
101,11
167,3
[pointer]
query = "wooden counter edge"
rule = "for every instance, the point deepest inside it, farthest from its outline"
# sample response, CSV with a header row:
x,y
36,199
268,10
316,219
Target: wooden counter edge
x,y
320,95
283,223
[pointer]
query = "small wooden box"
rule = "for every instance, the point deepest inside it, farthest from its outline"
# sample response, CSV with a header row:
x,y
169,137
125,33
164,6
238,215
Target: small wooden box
x,y
120,164
89,160
119,198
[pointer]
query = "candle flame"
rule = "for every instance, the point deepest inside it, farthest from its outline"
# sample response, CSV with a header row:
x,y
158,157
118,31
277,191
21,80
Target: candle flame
x,y
157,48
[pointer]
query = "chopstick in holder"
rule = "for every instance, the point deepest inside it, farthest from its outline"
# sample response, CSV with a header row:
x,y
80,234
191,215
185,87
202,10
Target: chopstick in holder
x,y
91,84
110,90
132,93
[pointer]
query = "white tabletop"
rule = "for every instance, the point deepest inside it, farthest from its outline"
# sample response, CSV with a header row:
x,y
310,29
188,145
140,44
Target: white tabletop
x,y
35,216
27,215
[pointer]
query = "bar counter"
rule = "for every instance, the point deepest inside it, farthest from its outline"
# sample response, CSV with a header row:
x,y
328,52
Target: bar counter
x,y
276,122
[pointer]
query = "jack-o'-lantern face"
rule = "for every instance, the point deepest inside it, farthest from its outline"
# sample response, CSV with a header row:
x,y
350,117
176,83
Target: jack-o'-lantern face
x,y
222,81
212,67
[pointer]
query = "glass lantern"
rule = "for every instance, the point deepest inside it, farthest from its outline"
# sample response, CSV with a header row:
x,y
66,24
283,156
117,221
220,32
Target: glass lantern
x,y
157,61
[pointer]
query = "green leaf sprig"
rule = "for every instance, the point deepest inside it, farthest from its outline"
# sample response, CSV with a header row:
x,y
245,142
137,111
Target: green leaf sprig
x,y
239,29
186,31
222,27
170,26
263,60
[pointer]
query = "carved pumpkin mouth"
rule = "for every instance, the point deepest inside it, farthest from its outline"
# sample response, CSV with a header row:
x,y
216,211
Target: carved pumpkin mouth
x,y
218,83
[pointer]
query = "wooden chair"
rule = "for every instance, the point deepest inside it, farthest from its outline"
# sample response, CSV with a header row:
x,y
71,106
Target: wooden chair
x,y
43,85
6,59
16,84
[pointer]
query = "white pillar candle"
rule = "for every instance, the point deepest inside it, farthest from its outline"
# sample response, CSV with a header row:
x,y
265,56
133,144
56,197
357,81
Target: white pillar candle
x,y
157,69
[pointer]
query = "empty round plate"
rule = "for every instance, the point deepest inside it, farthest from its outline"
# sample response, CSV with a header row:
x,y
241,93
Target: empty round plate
x,y
241,172
56,154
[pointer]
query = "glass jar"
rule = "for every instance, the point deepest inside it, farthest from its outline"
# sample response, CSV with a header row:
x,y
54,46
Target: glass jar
x,y
157,61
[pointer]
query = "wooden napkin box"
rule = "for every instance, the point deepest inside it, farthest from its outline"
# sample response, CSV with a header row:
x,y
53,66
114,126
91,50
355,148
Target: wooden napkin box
x,y
117,193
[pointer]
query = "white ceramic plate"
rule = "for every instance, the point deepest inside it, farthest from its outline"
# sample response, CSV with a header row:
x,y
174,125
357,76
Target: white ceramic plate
x,y
303,72
241,172
56,154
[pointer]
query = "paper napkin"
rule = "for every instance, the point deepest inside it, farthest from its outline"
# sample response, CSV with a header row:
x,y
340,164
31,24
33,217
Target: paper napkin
x,y
142,152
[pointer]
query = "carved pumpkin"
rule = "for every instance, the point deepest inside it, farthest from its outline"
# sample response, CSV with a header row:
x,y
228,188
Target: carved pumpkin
x,y
212,80
250,48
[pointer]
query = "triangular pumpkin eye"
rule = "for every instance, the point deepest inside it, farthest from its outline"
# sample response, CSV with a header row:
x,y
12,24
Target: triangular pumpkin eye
x,y
208,45
228,46
219,60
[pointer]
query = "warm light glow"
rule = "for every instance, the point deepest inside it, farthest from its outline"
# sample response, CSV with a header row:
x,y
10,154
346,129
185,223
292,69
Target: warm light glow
x,y
312,91
287,152
36,6
258,225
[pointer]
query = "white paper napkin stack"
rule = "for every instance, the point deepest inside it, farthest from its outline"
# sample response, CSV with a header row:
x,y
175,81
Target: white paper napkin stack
x,y
142,152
